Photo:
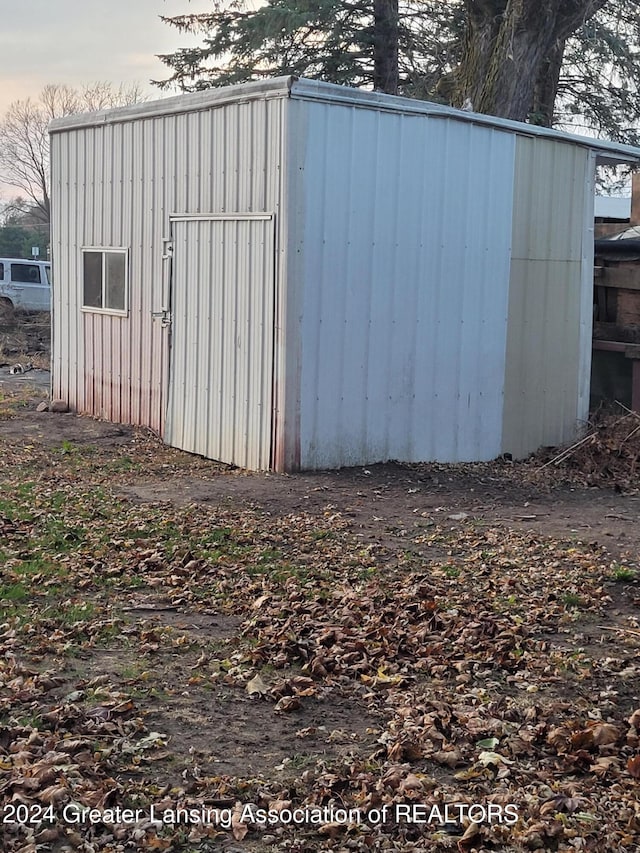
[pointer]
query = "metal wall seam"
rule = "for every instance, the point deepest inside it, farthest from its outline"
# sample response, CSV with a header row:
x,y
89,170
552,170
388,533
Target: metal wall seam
x,y
288,275
586,294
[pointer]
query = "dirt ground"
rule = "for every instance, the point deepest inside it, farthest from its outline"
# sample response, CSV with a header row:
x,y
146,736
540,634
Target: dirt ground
x,y
395,498
187,664
24,335
384,503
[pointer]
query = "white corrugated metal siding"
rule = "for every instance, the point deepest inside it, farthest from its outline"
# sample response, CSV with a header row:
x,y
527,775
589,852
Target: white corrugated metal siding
x,y
344,285
116,179
545,344
220,389
403,247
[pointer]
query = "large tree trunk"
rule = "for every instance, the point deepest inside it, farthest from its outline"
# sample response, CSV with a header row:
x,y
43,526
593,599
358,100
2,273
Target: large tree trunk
x,y
546,87
511,46
385,46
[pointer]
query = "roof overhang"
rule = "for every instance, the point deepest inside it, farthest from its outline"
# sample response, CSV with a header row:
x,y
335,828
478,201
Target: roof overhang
x,y
607,153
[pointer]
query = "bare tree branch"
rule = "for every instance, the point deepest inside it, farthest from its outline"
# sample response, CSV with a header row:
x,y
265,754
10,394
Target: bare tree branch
x,y
24,137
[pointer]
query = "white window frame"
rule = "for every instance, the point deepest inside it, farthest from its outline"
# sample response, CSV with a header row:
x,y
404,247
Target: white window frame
x,y
89,309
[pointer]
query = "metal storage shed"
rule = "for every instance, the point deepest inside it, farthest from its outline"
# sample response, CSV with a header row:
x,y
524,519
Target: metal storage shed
x,y
296,275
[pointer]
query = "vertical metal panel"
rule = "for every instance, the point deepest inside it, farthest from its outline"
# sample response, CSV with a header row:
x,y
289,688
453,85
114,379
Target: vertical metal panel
x,y
115,184
222,340
585,342
546,305
403,247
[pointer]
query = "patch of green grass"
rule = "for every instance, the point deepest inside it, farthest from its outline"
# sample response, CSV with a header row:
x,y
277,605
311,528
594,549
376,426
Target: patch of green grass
x,y
268,556
58,537
34,565
622,573
571,599
67,447
124,581
10,403
111,632
363,573
25,489
217,536
133,671
13,511
298,761
14,592
317,535
281,572
29,721
451,571
71,614
124,463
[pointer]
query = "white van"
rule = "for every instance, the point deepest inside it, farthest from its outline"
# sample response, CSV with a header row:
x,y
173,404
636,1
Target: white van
x,y
25,284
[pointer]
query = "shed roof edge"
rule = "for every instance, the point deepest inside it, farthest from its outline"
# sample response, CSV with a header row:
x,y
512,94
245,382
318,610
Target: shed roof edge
x,y
278,87
316,90
606,151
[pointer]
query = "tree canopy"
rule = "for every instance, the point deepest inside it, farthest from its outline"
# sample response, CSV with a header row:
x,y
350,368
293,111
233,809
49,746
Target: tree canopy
x,y
21,228
544,61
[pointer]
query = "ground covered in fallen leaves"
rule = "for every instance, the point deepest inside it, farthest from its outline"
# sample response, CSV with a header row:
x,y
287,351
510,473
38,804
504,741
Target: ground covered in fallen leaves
x,y
393,658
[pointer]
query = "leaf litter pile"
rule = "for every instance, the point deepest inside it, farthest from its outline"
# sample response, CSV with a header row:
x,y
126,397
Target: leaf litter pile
x,y
607,455
217,677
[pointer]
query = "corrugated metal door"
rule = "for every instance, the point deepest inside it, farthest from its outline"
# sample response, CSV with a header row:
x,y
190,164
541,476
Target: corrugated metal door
x,y
222,310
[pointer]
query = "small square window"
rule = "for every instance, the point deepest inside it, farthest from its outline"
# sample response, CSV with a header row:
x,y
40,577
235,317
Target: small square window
x,y
104,280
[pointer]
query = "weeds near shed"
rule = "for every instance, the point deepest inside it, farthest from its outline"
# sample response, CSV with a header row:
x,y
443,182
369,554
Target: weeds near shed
x,y
11,403
13,592
622,573
571,599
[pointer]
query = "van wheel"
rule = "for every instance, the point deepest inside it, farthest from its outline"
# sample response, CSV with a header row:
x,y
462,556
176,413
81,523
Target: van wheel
x,y
6,308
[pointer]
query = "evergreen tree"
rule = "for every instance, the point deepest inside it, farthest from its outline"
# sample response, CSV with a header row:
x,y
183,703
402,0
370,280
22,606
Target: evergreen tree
x,y
546,61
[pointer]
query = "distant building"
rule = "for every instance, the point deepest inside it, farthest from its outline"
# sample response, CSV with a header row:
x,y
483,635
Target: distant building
x,y
612,207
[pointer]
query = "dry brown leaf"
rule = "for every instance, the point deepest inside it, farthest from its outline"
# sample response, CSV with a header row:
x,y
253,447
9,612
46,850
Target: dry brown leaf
x,y
469,835
633,766
605,733
238,827
448,757
331,830
583,739
411,783
279,805
256,686
153,842
288,704
54,794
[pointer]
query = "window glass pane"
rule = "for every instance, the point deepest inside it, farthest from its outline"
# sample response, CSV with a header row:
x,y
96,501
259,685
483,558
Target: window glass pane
x,y
28,273
92,279
115,286
48,272
1,270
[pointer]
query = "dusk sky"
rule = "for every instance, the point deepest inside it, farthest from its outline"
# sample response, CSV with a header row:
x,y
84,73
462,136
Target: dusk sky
x,y
76,42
